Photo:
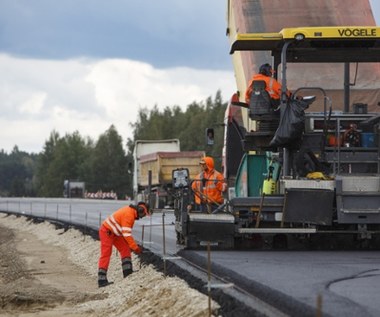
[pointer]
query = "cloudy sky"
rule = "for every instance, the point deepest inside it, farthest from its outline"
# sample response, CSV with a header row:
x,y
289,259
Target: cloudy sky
x,y
86,64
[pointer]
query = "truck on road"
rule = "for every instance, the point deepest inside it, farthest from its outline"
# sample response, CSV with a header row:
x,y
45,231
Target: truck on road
x,y
154,161
73,189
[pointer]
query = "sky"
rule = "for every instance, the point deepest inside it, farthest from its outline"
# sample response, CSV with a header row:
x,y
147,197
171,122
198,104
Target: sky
x,y
84,65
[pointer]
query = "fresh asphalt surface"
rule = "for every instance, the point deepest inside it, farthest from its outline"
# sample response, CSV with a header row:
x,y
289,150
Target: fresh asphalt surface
x,y
348,282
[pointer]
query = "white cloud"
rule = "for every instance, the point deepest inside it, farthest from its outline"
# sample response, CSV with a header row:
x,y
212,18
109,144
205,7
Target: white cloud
x,y
38,96
34,104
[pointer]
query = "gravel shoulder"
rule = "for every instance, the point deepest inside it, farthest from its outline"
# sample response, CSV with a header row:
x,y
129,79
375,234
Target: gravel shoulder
x,y
46,271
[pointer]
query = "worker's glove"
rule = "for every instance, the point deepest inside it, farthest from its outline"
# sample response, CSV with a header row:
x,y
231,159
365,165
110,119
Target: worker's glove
x,y
138,250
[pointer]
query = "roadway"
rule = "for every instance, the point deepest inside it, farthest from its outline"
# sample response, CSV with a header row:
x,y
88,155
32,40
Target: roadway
x,y
342,283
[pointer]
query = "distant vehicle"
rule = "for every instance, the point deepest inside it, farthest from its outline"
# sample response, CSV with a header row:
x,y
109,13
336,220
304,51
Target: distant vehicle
x,y
73,189
160,158
143,147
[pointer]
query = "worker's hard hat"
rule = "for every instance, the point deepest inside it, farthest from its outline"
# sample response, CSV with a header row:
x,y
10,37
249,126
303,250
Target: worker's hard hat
x,y
266,69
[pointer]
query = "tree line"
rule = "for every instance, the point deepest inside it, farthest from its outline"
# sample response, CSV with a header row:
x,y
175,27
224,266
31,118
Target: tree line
x,y
104,164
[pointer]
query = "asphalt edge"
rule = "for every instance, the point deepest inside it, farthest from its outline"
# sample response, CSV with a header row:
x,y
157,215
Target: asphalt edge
x,y
279,300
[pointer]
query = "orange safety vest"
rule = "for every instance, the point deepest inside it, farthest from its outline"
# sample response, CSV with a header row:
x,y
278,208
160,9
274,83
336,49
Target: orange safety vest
x,y
208,188
273,87
121,223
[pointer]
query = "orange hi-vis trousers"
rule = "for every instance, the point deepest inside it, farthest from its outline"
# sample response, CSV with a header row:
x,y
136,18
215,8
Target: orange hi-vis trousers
x,y
107,240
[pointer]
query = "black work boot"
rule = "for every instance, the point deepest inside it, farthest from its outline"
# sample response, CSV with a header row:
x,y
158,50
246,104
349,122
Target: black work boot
x,y
102,278
126,265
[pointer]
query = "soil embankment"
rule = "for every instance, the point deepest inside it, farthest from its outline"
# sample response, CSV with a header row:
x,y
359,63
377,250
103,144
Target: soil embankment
x,y
49,272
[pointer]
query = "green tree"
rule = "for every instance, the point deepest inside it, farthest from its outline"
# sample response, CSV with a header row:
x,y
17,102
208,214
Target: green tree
x,y
105,164
17,187
44,161
16,173
109,164
64,158
189,126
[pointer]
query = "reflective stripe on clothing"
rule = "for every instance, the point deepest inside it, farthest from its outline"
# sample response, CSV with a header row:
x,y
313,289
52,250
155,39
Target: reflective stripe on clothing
x,y
117,230
270,87
126,231
121,223
212,191
107,241
209,184
113,225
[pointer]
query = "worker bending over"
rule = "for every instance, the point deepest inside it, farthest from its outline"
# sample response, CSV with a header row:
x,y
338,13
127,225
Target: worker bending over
x,y
116,231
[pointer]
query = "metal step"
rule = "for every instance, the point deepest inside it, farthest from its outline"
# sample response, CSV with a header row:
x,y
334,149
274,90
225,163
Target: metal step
x,y
277,230
215,218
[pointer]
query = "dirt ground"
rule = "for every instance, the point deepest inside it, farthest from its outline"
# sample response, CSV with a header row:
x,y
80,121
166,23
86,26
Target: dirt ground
x,y
48,272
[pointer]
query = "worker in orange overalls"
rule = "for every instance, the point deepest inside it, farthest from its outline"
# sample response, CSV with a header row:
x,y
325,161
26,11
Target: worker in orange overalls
x,y
116,231
273,87
208,186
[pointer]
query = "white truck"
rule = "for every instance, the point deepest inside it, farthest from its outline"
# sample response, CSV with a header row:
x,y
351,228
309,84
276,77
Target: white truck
x,y
154,161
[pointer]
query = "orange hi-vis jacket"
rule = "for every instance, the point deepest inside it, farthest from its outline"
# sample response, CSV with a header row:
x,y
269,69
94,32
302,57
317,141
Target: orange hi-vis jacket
x,y
273,87
121,223
208,186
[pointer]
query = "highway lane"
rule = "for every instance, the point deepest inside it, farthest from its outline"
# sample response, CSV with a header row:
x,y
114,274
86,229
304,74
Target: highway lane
x,y
347,282
76,211
91,213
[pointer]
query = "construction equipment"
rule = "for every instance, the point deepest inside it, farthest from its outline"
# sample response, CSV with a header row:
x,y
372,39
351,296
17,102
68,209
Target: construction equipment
x,y
154,161
144,147
73,189
295,188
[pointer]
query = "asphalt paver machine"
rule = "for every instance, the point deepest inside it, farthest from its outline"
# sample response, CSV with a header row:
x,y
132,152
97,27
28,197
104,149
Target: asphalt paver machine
x,y
308,172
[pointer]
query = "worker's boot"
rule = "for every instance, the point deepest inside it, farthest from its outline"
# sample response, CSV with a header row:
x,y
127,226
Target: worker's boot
x,y
102,278
126,265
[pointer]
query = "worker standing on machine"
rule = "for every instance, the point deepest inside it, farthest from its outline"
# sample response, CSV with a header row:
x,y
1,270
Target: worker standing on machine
x,y
116,231
273,87
208,186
